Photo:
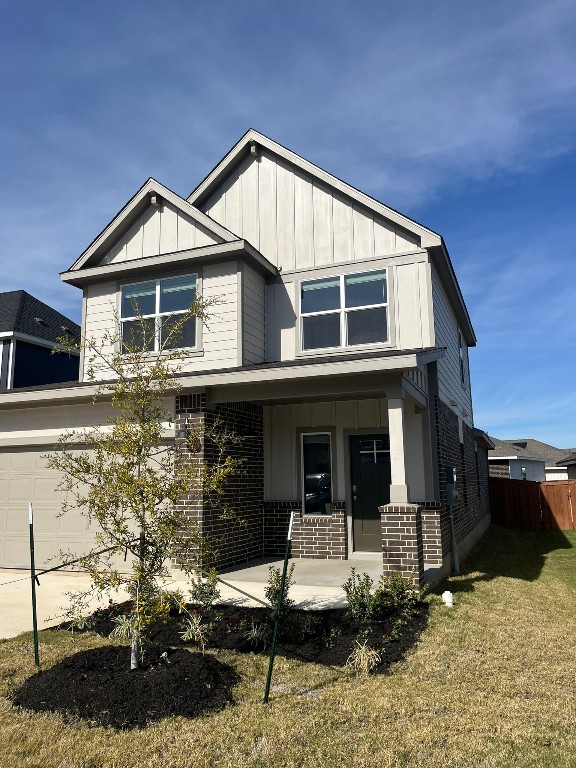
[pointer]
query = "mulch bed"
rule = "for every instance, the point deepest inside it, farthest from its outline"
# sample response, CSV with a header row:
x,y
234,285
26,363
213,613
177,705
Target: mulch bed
x,y
99,687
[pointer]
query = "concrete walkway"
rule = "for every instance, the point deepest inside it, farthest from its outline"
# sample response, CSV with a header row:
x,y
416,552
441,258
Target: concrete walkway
x,y
316,584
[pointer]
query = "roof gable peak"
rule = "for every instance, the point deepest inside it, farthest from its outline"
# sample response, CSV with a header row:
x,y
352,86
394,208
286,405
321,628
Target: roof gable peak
x,y
250,142
151,193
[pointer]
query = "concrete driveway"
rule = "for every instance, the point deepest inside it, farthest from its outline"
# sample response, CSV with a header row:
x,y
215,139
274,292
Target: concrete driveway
x,y
317,584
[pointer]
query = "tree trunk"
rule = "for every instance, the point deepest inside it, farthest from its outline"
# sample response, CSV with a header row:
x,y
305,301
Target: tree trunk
x,y
135,650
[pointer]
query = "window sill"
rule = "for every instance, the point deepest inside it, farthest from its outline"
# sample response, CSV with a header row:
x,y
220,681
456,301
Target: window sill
x,y
344,350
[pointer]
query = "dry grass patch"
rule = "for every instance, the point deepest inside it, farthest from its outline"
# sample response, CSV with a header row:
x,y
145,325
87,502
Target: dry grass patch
x,y
491,684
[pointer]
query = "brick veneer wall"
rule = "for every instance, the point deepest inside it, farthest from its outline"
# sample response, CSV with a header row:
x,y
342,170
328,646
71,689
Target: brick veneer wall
x,y
434,517
472,504
313,536
402,544
231,524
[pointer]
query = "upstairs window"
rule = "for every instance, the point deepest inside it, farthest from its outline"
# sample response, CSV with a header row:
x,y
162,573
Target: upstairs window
x,y
149,310
344,311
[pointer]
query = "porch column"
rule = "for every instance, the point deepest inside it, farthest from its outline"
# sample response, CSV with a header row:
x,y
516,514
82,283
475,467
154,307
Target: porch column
x,y
399,491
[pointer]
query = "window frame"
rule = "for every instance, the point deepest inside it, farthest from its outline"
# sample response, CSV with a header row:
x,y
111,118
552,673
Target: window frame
x,y
315,433
343,311
157,315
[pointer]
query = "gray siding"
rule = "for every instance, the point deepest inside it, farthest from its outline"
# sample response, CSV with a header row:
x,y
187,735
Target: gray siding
x,y
284,423
219,338
450,387
410,314
296,221
253,315
159,230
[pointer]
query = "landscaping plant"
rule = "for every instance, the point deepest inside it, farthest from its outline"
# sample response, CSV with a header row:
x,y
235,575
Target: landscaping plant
x,y
128,479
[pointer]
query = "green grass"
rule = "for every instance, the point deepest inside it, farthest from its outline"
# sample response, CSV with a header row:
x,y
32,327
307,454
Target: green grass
x,y
491,684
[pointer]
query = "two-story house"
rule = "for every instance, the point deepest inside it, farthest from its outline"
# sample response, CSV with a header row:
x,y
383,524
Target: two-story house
x,y
338,349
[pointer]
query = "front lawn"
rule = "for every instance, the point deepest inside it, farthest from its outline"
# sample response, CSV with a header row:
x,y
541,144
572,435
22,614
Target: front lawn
x,y
490,684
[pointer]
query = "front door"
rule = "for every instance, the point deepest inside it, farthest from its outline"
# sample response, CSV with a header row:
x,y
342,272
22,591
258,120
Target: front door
x,y
370,467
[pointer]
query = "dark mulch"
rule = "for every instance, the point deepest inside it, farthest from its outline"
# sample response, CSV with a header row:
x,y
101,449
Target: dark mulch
x,y
98,686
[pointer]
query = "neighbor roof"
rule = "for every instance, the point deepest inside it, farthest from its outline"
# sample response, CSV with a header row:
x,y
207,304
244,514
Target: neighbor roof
x,y
527,448
22,313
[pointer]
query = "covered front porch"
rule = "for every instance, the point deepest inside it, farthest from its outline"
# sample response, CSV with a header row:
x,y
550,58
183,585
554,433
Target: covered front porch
x,y
339,442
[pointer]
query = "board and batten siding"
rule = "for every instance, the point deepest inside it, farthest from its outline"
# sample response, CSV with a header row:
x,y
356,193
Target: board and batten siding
x,y
450,387
410,316
253,315
296,221
283,425
219,336
159,230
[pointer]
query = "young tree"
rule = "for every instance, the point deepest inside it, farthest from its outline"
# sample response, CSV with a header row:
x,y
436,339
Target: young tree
x,y
127,477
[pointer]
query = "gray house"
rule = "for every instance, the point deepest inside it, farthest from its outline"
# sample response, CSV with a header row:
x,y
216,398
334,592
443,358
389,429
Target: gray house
x,y
528,459
339,349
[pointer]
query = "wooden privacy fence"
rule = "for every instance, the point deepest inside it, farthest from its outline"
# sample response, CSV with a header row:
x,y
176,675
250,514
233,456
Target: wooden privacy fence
x,y
539,506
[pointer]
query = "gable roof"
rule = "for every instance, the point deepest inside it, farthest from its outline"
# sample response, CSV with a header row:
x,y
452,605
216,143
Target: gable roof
x,y
567,460
529,449
133,209
21,313
251,138
429,239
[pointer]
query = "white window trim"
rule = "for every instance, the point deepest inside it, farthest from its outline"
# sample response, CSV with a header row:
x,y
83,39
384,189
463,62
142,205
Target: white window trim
x,y
343,311
303,474
157,314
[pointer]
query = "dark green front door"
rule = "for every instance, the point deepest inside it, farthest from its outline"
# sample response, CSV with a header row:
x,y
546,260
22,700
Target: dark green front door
x,y
370,466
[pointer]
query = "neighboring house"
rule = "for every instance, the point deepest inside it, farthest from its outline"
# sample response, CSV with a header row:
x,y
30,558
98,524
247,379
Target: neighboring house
x,y
338,349
29,332
527,459
568,466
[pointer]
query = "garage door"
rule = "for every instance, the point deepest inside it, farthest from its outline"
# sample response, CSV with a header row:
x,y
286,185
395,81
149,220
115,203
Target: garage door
x,y
24,477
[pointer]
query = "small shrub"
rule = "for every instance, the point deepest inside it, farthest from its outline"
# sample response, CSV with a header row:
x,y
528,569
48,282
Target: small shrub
x,y
204,591
298,627
272,588
363,658
328,639
395,593
194,630
359,595
124,627
258,635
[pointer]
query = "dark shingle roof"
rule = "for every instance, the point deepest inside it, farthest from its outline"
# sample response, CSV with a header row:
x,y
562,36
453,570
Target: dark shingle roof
x,y
529,449
18,313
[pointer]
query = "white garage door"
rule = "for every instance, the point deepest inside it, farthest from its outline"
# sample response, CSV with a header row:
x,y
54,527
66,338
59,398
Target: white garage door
x,y
24,477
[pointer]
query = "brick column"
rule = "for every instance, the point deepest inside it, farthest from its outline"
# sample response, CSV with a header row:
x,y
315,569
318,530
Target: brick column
x,y
402,548
432,513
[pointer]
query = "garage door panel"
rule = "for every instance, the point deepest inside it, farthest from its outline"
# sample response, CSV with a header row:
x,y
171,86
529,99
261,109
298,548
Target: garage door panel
x,y
25,478
21,489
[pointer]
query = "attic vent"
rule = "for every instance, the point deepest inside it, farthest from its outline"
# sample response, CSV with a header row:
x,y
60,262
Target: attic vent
x,y
520,444
66,329
39,321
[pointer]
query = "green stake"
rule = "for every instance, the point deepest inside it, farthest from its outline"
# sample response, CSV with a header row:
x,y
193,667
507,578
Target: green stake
x,y
33,578
278,610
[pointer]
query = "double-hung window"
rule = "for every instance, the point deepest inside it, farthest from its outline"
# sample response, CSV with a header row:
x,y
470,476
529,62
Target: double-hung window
x,y
344,311
149,310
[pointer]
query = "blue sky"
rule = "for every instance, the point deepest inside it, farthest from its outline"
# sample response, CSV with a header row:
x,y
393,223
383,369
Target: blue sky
x,y
461,115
